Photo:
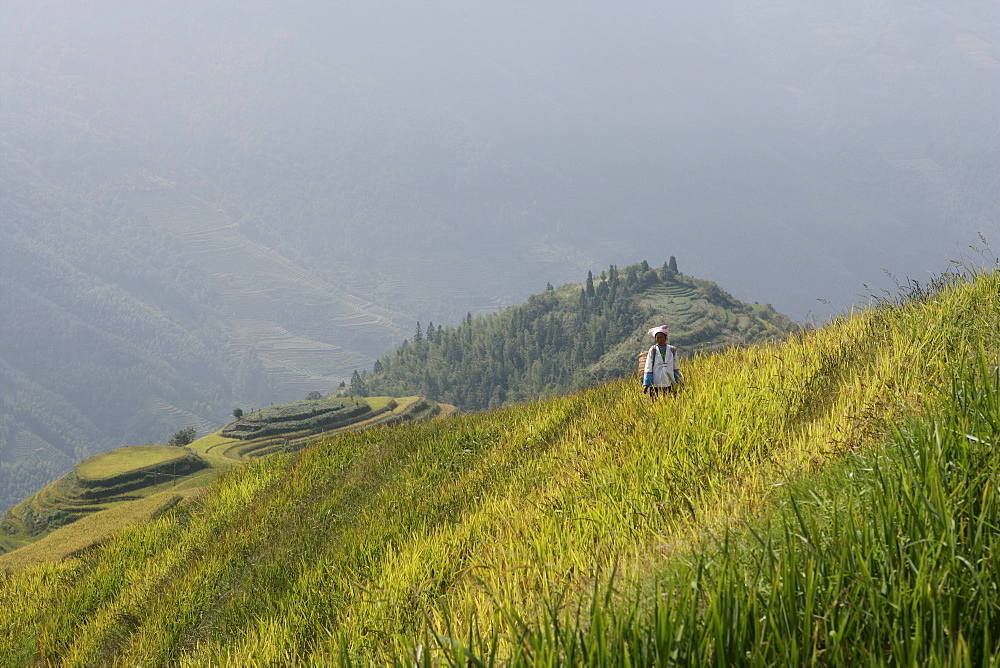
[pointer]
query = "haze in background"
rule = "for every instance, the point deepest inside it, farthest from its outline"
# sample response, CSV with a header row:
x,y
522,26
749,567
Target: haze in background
x,y
209,204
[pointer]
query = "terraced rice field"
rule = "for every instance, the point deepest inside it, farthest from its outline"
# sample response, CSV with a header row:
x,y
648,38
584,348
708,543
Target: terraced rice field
x,y
162,409
24,445
696,323
100,483
89,530
123,464
684,309
379,413
131,484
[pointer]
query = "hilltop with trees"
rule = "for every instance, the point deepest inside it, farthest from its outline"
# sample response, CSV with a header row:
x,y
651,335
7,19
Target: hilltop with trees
x,y
566,339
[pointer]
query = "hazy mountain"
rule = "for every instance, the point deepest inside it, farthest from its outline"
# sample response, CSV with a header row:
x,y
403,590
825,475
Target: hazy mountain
x,y
219,204
790,149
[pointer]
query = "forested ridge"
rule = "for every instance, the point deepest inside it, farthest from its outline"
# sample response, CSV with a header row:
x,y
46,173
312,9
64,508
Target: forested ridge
x,y
562,340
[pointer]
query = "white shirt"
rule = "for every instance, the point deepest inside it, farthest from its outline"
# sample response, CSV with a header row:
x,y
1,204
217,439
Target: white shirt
x,y
661,367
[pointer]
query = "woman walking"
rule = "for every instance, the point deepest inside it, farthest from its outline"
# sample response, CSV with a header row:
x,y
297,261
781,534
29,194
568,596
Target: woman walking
x,y
662,371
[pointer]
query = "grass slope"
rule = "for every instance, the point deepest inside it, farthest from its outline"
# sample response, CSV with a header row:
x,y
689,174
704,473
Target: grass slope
x,y
889,557
114,489
487,536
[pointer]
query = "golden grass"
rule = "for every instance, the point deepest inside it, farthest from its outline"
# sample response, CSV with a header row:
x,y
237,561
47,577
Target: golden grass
x,y
378,403
89,531
128,459
214,449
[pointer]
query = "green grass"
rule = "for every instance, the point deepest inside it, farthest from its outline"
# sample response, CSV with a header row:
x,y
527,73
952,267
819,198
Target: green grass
x,y
757,518
887,557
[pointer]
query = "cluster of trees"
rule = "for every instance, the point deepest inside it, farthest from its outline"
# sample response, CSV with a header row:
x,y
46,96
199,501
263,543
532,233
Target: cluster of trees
x,y
551,344
526,351
184,437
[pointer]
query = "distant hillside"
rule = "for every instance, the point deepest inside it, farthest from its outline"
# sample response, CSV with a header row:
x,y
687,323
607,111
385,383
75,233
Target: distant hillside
x,y
760,517
570,338
149,312
131,484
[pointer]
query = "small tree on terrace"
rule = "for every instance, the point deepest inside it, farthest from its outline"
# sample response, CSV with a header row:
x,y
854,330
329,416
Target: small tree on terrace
x,y
184,437
237,413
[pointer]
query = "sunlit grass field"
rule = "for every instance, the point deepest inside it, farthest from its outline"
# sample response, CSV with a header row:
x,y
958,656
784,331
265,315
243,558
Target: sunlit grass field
x,y
122,461
84,533
783,508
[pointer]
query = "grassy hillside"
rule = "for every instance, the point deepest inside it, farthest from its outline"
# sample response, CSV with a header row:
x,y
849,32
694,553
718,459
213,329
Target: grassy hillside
x,y
125,485
495,535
